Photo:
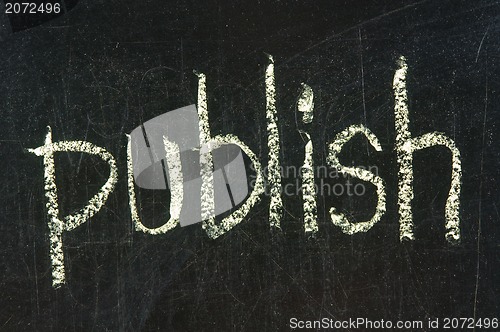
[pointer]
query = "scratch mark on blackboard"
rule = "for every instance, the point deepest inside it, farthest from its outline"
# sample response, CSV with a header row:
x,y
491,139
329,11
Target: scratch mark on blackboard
x,y
374,19
481,43
363,83
478,248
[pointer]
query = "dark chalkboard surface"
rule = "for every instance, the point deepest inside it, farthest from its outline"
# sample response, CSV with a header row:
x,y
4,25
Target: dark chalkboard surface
x,y
100,69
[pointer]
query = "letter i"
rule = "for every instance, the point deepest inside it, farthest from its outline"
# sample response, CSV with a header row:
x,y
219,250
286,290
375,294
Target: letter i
x,y
305,105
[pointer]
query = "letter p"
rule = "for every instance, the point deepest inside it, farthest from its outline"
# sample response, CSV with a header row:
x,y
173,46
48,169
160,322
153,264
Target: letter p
x,y
57,225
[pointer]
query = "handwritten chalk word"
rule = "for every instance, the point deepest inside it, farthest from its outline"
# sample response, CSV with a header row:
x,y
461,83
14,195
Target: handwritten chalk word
x,y
405,146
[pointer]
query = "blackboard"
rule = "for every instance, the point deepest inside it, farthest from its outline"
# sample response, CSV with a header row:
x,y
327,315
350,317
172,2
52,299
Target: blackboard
x,y
100,69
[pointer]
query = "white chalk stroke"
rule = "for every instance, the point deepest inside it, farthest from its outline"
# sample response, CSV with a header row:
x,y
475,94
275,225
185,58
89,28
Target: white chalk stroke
x,y
405,147
206,161
305,105
209,144
173,161
273,145
339,219
57,225
226,224
308,189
